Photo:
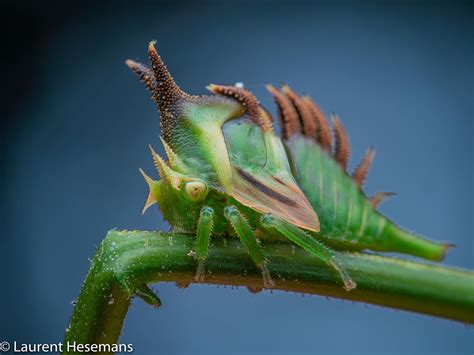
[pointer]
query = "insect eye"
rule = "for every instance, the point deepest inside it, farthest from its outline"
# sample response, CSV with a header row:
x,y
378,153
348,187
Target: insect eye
x,y
196,190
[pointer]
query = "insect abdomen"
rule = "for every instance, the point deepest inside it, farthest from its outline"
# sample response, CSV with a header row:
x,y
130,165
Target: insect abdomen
x,y
347,218
343,211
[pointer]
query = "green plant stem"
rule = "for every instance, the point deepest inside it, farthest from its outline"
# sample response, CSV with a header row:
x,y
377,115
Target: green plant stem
x,y
128,259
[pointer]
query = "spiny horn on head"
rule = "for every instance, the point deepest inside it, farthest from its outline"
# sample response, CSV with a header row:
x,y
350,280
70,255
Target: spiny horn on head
x,y
167,94
144,73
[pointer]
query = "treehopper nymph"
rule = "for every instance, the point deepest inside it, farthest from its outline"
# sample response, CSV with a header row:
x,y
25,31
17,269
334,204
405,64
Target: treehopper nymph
x,y
228,174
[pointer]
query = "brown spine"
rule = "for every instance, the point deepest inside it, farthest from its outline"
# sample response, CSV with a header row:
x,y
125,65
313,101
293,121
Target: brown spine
x,y
306,117
290,124
324,136
144,73
376,199
360,173
246,99
341,146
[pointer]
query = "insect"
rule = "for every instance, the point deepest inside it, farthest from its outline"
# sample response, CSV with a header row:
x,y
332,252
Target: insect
x,y
228,173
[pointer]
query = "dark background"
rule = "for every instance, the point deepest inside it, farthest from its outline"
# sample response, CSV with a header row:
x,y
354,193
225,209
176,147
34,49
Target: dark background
x,y
76,125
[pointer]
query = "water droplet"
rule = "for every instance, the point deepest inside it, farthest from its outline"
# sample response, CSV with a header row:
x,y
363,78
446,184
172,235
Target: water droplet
x,y
255,289
182,284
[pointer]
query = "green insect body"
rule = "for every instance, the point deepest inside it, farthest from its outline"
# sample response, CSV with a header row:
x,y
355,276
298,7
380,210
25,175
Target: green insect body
x,y
228,174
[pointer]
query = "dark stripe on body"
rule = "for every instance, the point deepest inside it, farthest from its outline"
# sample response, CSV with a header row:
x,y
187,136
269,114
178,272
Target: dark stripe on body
x,y
265,189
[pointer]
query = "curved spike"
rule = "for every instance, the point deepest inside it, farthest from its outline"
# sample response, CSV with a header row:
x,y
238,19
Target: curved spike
x,y
266,117
166,94
165,171
360,173
160,165
324,136
168,97
376,199
309,125
341,147
290,124
144,73
246,99
173,158
150,200
148,179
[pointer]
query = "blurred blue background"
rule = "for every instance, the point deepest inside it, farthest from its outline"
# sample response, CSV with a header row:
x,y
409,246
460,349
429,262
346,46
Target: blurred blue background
x,y
76,126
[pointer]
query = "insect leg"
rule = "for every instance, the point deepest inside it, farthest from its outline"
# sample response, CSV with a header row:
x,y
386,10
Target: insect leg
x,y
246,235
308,243
204,230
